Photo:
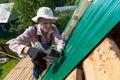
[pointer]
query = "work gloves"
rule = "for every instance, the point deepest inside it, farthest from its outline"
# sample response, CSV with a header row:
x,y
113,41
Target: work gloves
x,y
36,54
43,51
47,49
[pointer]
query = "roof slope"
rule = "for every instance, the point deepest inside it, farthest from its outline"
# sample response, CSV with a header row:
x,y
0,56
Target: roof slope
x,y
99,18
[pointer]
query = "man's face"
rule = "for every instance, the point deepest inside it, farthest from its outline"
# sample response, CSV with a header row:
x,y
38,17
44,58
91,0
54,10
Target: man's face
x,y
45,24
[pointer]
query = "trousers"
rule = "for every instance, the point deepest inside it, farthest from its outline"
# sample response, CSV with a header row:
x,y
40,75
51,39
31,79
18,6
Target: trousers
x,y
39,67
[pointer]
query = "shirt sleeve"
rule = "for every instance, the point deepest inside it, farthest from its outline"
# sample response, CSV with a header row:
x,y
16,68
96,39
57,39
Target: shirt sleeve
x,y
21,41
58,39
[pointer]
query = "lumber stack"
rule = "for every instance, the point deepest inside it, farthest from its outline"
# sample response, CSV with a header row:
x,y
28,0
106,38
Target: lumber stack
x,y
103,63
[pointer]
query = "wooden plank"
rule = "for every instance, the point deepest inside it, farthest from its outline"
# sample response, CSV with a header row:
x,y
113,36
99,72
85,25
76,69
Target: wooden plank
x,y
76,74
75,18
4,49
22,71
72,75
103,63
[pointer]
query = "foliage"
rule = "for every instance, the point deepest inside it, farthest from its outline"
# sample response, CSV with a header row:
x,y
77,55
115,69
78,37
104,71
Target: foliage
x,y
63,19
7,36
59,2
3,1
70,2
76,2
2,40
27,9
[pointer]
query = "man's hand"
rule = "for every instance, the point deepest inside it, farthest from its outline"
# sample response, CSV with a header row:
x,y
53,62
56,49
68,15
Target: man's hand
x,y
43,47
47,49
50,59
36,54
42,51
61,51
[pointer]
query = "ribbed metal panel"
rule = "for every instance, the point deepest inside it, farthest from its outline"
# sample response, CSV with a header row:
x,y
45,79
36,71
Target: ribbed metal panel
x,y
99,18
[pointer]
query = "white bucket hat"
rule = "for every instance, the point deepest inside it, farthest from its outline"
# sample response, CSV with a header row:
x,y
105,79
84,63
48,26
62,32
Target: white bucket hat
x,y
44,12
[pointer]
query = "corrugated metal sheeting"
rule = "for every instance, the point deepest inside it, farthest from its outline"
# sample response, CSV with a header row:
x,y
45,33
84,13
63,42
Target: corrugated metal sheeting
x,y
99,18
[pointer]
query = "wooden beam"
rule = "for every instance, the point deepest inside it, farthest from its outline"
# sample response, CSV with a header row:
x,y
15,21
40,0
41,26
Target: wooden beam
x,y
103,63
75,18
76,74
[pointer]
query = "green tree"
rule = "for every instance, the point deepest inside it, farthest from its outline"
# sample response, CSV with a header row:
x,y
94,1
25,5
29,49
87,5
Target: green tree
x,y
26,9
63,20
4,1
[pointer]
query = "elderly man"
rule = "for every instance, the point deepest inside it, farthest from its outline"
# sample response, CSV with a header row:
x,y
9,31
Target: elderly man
x,y
36,40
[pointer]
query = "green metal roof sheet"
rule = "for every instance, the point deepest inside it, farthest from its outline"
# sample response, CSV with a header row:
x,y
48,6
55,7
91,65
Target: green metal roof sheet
x,y
99,18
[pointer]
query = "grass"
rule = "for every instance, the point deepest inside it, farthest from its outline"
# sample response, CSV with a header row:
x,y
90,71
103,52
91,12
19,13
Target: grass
x,y
7,67
10,64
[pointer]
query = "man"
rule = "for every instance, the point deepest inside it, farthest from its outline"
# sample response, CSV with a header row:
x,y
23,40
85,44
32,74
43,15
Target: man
x,y
36,40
